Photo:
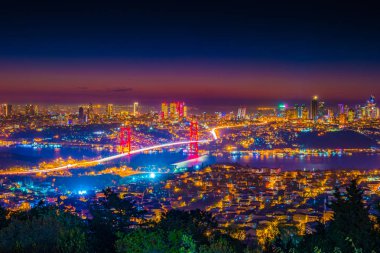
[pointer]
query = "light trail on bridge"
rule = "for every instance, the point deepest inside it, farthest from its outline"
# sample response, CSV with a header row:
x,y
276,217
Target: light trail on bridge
x,y
222,127
99,161
110,158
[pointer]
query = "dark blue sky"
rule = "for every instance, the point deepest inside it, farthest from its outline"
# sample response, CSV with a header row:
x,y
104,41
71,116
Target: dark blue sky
x,y
299,35
298,32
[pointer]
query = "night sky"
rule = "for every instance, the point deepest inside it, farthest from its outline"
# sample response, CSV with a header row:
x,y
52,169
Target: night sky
x,y
214,53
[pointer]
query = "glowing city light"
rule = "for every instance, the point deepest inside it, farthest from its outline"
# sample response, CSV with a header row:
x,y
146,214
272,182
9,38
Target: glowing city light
x,y
82,192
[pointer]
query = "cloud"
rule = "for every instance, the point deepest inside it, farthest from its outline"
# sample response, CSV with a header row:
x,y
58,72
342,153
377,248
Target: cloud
x,y
121,89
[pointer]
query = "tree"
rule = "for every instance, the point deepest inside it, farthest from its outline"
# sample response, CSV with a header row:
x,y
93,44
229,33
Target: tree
x,y
218,246
47,232
152,240
351,220
195,223
72,240
350,229
3,217
110,216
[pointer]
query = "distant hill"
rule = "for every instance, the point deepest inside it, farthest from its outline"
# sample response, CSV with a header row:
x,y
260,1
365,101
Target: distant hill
x,y
340,139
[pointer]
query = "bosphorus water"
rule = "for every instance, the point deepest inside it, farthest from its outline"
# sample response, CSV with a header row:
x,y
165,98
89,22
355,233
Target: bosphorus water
x,y
27,156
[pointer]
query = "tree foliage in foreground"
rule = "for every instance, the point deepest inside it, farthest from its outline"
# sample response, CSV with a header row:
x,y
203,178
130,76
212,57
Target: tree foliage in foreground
x,y
351,229
43,230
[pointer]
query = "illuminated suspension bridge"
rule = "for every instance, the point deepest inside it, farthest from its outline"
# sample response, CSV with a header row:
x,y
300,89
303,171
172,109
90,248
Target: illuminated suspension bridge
x,y
126,134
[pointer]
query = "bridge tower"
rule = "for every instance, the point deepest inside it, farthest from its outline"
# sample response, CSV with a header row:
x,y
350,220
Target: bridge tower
x,y
193,147
125,139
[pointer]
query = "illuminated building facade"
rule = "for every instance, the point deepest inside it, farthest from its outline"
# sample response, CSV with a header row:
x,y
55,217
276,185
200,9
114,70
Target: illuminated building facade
x,y
90,112
81,115
291,113
174,110
322,110
164,110
266,112
7,110
350,115
109,110
314,108
31,110
242,113
371,111
135,109
281,110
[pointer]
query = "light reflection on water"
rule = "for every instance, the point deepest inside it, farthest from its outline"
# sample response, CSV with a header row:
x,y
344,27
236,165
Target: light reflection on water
x,y
23,156
31,157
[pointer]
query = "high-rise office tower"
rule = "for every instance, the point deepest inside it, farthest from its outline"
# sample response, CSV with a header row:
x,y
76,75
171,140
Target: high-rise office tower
x,y
173,110
135,109
164,110
179,108
81,115
109,110
90,112
372,112
241,113
281,110
350,115
314,108
7,110
3,109
299,109
322,111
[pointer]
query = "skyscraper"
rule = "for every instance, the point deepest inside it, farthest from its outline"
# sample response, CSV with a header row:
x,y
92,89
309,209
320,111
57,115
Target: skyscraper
x,y
241,113
184,111
135,109
314,108
179,108
351,115
300,111
164,110
81,116
109,110
90,112
372,112
173,110
7,110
